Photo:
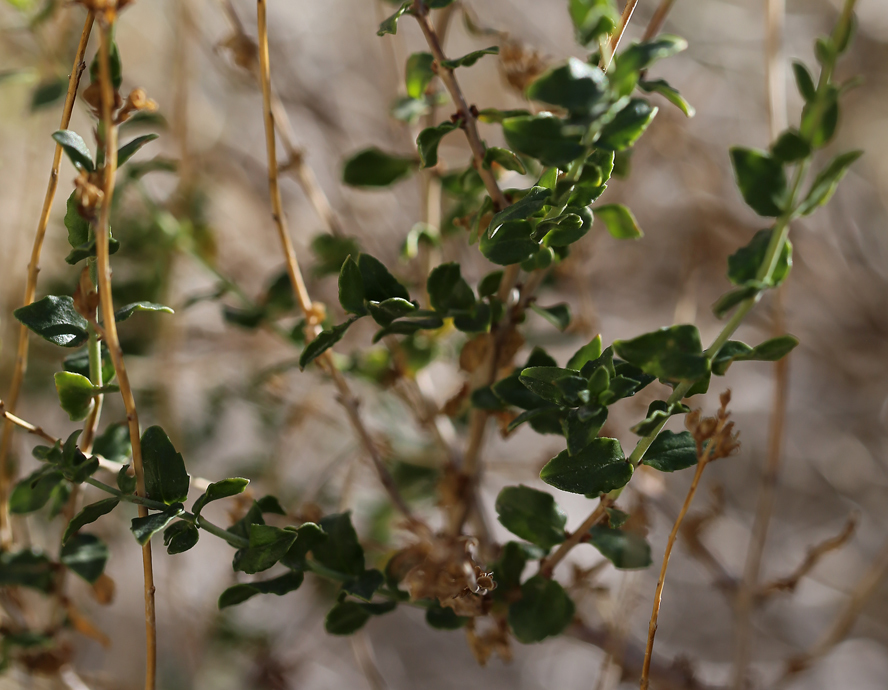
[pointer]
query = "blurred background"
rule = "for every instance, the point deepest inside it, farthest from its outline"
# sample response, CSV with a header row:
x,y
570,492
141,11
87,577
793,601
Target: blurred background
x,y
234,403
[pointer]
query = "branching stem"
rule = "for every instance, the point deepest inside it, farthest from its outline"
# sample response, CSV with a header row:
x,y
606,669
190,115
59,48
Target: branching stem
x,y
110,334
21,358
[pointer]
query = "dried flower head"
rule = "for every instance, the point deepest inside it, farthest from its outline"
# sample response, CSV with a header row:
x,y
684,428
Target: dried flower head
x,y
443,567
137,101
494,640
520,64
714,436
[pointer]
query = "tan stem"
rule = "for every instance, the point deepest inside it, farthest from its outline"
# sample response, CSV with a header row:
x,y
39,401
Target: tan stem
x,y
656,23
658,595
21,358
346,397
547,565
110,333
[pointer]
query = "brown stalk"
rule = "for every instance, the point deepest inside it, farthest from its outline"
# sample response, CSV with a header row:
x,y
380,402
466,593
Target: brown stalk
x,y
746,594
658,595
656,23
547,565
21,359
346,398
111,339
614,41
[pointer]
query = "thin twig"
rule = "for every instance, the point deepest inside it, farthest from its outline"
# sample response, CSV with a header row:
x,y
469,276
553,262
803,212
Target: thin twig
x,y
111,339
614,41
346,398
658,595
841,626
812,558
547,565
746,594
656,23
21,359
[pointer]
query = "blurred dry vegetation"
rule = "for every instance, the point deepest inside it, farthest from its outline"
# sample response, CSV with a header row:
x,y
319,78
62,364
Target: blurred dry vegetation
x,y
230,409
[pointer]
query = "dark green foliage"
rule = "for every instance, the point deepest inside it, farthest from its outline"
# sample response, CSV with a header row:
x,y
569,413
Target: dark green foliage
x,y
532,515
238,594
166,478
85,555
626,550
761,180
599,468
180,536
544,610
55,319
374,168
341,551
670,452
88,515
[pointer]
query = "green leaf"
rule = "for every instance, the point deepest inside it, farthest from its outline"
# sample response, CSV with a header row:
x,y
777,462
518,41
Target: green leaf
x,y
587,353
77,225
48,92
114,443
511,244
626,550
544,610
504,158
638,57
671,452
671,354
496,116
599,468
341,551
820,118
490,284
558,315
127,151
544,137
365,585
508,569
441,618
76,394
26,568
671,94
419,74
218,490
88,515
522,209
390,25
744,264
379,284
448,290
827,180
804,81
124,313
761,180
628,125
408,326
577,87
388,310
409,110
619,221
180,536
658,412
532,515
238,594
75,148
308,536
85,555
346,617
428,140
55,319
569,227
88,249
267,546
126,482
143,528
115,64
582,425
331,252
374,168
166,478
559,386
593,20
769,351
324,341
470,59
35,490
790,147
